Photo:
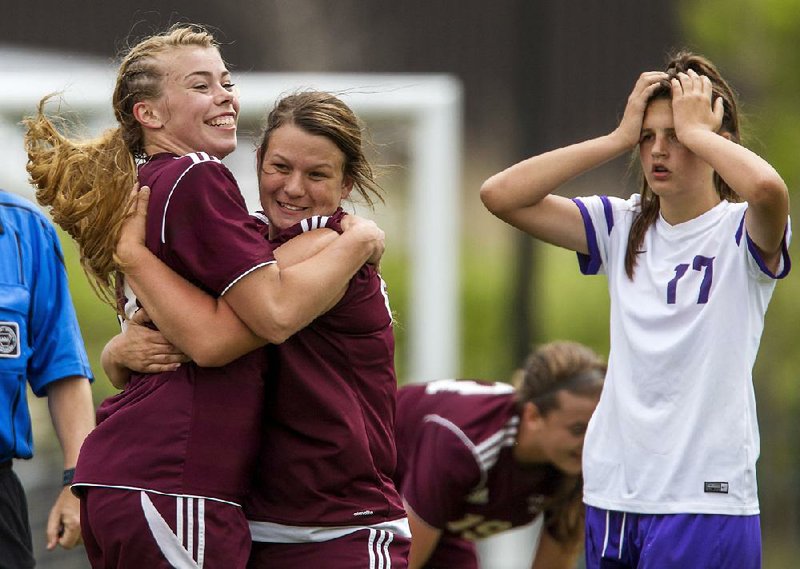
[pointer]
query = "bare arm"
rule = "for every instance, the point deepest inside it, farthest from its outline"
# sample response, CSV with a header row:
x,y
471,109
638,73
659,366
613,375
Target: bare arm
x,y
72,411
188,316
522,194
275,302
424,539
116,371
550,554
697,121
188,320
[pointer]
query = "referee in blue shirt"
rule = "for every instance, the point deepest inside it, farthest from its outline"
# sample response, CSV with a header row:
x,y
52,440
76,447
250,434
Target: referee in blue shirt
x,y
41,344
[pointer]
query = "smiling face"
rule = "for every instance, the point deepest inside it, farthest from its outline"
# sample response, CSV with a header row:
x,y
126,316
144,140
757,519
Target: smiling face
x,y
670,169
556,437
301,175
198,106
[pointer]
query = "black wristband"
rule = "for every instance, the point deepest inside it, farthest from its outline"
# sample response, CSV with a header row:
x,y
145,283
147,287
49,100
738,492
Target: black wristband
x,y
69,474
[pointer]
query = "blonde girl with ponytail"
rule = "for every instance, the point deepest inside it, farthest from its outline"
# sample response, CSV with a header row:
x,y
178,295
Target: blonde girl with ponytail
x,y
163,475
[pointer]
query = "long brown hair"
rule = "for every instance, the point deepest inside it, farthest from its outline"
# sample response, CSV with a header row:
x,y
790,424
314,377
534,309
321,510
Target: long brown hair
x,y
682,62
554,367
324,114
86,183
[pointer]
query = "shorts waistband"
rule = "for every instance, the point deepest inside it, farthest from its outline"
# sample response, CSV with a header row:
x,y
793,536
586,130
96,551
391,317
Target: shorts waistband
x,y
5,465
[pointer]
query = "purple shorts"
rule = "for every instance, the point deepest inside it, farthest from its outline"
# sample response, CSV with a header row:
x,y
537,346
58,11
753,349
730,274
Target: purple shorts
x,y
131,529
365,548
617,540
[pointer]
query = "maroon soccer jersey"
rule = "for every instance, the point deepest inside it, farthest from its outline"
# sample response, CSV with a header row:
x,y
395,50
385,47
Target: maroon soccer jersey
x,y
195,430
329,454
455,467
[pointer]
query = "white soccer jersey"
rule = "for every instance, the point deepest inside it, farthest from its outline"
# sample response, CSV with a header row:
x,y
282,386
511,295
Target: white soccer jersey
x,y
675,430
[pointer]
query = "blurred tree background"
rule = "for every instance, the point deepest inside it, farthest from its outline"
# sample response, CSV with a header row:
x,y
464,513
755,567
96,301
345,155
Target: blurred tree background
x,y
536,75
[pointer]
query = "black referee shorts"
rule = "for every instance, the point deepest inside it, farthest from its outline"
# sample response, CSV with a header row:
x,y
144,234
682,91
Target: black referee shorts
x,y
16,545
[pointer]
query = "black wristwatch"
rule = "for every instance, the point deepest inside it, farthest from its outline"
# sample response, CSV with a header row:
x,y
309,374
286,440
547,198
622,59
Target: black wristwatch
x,y
69,474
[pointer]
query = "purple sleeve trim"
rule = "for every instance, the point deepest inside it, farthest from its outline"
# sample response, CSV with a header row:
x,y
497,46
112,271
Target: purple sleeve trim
x,y
787,262
753,248
740,231
589,264
609,213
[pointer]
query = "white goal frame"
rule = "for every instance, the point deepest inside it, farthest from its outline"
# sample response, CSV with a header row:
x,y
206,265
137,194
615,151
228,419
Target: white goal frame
x,y
430,103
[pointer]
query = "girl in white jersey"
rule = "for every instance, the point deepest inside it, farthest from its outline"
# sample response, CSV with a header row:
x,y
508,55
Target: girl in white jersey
x,y
691,261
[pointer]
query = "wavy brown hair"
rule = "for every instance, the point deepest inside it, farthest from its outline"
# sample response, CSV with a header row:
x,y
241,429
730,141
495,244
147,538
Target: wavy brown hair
x,y
682,62
86,183
551,368
324,114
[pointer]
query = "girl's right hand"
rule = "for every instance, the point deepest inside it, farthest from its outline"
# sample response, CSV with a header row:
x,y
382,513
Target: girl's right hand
x,y
145,350
368,231
132,234
630,127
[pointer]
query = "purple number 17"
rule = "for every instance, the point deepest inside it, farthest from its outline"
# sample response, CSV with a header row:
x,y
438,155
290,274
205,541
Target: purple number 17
x,y
699,263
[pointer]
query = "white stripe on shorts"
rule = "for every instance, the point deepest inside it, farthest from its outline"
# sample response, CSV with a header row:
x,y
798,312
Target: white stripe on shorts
x,y
386,543
201,531
271,532
171,545
190,525
378,544
605,538
179,519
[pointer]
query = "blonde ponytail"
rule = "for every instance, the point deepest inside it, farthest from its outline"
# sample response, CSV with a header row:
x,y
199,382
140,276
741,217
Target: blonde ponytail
x,y
86,186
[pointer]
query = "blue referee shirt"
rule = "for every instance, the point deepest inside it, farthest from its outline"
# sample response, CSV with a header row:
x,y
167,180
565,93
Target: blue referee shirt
x,y
40,341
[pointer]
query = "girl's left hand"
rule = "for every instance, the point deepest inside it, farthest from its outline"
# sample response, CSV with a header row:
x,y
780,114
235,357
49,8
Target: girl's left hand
x,y
692,107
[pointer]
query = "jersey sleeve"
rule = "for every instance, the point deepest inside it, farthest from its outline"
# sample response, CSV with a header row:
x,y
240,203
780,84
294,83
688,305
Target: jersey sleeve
x,y
598,220
756,265
208,232
333,221
441,474
57,346
601,217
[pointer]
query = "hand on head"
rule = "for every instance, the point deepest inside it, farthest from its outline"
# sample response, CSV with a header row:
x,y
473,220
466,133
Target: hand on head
x,y
630,127
692,106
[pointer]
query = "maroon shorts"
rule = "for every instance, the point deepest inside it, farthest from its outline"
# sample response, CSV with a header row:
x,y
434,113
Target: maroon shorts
x,y
131,529
362,549
453,552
